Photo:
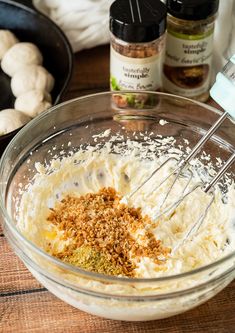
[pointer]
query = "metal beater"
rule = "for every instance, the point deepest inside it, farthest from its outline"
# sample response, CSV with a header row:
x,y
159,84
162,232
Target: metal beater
x,y
223,92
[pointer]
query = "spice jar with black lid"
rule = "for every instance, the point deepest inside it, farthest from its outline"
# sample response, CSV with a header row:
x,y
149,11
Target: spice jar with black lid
x,y
189,47
137,44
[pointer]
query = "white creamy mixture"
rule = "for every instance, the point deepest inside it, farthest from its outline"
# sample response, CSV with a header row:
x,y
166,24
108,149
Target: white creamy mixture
x,y
124,166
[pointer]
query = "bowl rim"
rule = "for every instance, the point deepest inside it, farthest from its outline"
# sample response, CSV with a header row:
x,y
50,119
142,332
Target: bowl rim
x,y
72,268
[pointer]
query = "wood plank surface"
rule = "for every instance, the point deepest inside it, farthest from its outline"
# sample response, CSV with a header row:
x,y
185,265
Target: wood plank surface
x,y
42,312
14,276
26,306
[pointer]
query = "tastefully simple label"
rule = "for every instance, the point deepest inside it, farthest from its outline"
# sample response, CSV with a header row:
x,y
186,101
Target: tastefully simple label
x,y
135,73
187,64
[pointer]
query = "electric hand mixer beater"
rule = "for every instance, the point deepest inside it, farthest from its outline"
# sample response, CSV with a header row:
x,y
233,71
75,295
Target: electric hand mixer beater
x,y
223,92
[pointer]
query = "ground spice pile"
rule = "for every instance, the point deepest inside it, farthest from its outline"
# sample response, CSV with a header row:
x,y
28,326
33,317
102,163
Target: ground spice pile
x,y
100,230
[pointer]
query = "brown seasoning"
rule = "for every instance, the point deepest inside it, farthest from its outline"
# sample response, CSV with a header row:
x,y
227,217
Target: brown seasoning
x,y
100,225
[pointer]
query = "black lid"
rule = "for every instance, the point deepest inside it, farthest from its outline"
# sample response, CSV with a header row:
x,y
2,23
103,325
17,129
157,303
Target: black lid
x,y
192,9
138,21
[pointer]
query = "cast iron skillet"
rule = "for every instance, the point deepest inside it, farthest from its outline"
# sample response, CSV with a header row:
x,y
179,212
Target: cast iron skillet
x,y
30,25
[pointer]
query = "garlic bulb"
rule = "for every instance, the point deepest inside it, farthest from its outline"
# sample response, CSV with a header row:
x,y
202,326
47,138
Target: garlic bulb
x,y
31,77
33,102
19,55
7,40
11,119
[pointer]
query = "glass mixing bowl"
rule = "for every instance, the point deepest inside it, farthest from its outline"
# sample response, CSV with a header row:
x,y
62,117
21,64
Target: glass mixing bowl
x,y
73,123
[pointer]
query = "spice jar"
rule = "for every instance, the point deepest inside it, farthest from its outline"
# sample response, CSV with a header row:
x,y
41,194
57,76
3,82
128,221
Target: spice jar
x,y
189,47
137,44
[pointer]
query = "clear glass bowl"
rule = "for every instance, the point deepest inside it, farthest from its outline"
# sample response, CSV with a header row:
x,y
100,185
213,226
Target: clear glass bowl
x,y
66,127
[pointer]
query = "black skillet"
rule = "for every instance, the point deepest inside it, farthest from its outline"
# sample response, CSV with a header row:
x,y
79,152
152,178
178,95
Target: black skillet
x,y
28,24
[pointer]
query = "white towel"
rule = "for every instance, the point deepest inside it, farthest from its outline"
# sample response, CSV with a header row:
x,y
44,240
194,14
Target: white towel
x,y
85,22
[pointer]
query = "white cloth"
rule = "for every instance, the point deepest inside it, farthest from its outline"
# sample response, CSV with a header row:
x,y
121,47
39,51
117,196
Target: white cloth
x,y
85,22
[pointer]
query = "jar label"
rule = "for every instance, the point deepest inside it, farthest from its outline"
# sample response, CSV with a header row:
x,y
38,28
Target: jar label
x,y
187,64
135,73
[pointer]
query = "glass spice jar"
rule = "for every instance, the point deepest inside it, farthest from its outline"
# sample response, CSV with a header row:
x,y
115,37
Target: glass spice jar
x,y
137,44
189,47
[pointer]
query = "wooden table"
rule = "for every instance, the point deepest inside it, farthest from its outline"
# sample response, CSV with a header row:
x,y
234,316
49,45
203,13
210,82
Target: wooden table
x,y
26,306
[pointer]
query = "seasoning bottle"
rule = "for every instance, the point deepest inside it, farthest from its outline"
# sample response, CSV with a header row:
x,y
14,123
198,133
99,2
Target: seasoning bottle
x,y
189,47
137,44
